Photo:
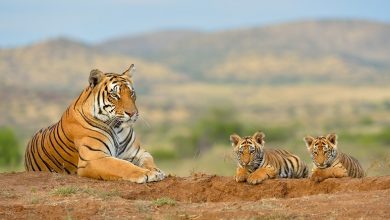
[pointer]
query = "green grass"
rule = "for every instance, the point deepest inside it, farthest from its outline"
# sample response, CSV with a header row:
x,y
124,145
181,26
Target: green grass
x,y
34,200
65,191
164,201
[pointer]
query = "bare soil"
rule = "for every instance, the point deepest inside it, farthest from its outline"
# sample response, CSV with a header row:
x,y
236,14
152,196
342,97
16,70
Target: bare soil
x,y
39,195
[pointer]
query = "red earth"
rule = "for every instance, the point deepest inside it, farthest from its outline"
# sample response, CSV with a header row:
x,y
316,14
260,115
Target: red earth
x,y
40,195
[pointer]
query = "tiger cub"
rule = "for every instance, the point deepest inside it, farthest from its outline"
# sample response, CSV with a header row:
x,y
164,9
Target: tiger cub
x,y
256,164
328,161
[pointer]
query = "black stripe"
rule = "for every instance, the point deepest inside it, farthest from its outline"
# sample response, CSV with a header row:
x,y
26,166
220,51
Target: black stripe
x,y
77,100
93,159
63,132
99,132
298,168
48,167
27,155
108,148
81,158
58,144
286,162
92,149
55,149
102,127
62,141
98,102
50,157
125,143
132,159
36,164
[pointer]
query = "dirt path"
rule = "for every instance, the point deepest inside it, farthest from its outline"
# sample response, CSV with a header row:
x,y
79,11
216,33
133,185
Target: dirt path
x,y
48,195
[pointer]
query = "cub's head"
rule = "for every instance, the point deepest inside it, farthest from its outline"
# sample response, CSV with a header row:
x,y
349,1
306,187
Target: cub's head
x,y
114,97
323,150
248,149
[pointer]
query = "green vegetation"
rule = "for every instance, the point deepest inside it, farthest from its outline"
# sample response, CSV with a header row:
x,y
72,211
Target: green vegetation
x,y
34,200
65,191
164,201
10,155
214,128
381,137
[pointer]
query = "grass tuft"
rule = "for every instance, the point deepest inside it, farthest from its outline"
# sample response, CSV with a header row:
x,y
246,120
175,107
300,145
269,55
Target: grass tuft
x,y
65,191
164,201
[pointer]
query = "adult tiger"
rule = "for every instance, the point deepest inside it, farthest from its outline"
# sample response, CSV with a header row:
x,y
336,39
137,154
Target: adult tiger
x,y
328,161
94,137
256,164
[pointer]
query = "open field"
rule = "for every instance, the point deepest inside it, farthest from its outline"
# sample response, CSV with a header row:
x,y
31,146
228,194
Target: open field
x,y
199,196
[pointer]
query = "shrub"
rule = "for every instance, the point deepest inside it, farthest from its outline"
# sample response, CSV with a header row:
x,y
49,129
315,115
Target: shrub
x,y
163,154
10,154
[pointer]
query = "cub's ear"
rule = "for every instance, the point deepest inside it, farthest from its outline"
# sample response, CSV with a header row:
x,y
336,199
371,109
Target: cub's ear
x,y
332,138
95,77
259,137
234,138
130,71
308,140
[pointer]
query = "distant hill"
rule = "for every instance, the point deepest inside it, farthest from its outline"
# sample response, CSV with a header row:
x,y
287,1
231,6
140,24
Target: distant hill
x,y
334,51
330,50
65,64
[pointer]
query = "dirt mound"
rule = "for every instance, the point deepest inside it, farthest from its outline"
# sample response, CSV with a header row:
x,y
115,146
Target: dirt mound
x,y
207,196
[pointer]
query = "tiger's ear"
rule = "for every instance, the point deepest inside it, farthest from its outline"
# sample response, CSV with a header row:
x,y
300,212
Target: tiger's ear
x,y
259,137
130,71
308,140
234,138
95,77
332,138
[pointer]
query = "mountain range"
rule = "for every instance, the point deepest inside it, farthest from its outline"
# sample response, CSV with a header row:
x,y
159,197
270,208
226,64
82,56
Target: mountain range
x,y
329,51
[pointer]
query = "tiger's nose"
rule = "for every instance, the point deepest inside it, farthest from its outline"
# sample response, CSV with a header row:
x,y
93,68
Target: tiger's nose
x,y
131,114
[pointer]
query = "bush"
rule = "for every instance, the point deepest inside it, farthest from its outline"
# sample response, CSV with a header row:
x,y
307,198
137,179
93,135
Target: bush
x,y
163,154
384,136
213,127
10,154
381,137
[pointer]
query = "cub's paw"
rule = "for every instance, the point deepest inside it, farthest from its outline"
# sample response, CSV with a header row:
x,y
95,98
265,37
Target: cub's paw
x,y
317,176
340,172
241,178
256,178
155,175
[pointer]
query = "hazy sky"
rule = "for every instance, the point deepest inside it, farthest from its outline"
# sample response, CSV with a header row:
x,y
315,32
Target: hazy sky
x,y
26,21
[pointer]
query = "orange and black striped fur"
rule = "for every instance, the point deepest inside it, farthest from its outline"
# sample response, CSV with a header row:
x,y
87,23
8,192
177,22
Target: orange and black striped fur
x,y
95,137
256,164
328,162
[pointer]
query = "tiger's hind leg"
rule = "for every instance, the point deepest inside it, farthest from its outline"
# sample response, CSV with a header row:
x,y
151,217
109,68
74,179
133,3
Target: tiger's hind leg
x,y
261,174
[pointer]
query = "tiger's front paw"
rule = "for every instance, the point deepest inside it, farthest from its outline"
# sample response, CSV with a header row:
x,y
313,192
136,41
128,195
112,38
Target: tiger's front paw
x,y
317,176
241,178
257,177
340,172
155,175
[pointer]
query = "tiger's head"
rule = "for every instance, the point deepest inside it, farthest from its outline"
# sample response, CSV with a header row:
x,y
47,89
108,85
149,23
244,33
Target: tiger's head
x,y
114,97
323,150
248,149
